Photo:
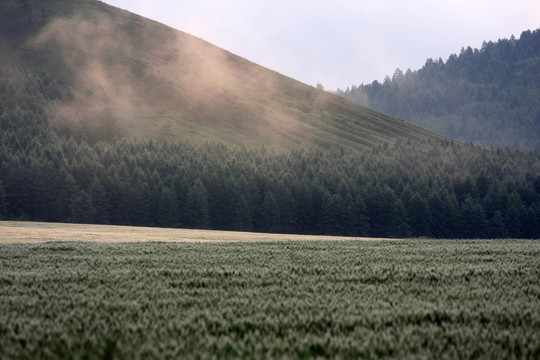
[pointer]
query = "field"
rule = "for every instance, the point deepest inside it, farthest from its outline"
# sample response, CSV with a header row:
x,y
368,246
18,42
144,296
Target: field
x,y
279,297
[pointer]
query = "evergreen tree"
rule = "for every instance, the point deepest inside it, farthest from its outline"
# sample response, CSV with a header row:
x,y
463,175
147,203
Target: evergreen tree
x,y
81,208
143,214
167,207
3,202
473,218
42,187
63,202
120,197
196,211
439,215
398,225
334,216
306,209
270,212
287,209
419,216
496,227
100,200
360,219
243,218
529,228
386,216
513,215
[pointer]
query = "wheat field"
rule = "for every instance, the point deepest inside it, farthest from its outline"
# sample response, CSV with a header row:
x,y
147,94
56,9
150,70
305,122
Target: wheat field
x,y
34,232
105,292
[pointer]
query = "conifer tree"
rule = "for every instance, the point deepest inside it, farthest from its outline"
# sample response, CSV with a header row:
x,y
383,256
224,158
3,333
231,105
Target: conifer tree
x,y
81,208
270,212
100,201
167,207
473,218
496,228
243,220
514,214
142,207
3,202
398,225
419,216
196,211
333,215
63,202
360,219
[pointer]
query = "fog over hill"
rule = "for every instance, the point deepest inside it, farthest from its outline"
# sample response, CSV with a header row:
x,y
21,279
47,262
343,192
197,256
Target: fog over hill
x,y
131,76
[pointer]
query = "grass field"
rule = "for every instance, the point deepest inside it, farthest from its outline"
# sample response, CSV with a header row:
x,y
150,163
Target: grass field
x,y
202,298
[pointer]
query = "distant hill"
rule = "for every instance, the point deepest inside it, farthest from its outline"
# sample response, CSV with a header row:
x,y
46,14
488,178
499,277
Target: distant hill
x,y
488,96
119,74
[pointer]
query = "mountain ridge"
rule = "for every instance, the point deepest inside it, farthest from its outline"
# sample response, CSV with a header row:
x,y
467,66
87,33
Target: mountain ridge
x,y
135,76
488,96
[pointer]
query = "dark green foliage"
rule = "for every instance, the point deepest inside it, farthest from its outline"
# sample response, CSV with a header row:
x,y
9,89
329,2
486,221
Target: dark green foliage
x,y
269,213
100,201
82,208
421,299
419,216
497,228
489,96
473,219
396,191
197,213
3,202
243,219
426,188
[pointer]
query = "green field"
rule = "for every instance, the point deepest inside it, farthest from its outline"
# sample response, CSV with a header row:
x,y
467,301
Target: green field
x,y
413,298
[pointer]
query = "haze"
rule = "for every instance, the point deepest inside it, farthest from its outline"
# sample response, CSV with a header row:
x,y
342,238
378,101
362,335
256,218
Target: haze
x,y
341,43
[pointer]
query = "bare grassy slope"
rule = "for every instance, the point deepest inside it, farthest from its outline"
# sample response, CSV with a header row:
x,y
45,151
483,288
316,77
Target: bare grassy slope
x,y
149,80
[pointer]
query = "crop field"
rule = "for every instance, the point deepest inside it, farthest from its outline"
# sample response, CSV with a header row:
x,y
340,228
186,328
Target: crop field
x,y
274,297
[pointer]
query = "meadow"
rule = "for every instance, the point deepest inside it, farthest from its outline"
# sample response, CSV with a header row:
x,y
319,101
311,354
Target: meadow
x,y
186,294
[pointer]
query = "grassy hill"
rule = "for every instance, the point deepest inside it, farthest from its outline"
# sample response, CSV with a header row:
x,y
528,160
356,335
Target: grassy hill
x,y
127,74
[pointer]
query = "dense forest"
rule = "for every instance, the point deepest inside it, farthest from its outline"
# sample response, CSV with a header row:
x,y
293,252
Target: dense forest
x,y
436,188
488,96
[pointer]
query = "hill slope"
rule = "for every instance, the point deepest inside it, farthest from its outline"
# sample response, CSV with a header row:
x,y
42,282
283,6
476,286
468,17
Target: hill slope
x,y
81,67
489,96
119,72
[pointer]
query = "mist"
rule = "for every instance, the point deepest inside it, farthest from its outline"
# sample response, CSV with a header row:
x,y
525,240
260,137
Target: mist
x,y
130,76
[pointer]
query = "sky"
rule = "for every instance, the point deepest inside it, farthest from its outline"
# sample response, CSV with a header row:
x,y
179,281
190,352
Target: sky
x,y
340,43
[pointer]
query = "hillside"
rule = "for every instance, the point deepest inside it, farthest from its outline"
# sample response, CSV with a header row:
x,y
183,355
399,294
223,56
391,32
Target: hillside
x,y
488,96
109,118
119,73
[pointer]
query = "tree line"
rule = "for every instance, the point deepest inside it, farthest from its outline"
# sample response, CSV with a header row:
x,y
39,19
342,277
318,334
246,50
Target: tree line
x,y
433,188
488,96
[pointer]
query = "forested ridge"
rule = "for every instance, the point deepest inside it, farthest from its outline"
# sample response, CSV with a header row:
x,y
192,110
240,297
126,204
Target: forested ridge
x,y
488,96
436,188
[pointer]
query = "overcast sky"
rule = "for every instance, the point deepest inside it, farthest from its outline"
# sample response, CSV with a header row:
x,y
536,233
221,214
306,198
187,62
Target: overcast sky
x,y
340,43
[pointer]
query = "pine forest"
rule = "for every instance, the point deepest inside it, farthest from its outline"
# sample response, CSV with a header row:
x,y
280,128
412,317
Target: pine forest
x,y
436,188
